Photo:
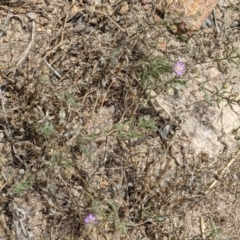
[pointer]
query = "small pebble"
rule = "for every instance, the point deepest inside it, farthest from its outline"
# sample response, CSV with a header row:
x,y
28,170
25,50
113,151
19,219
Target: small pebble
x,y
146,7
49,31
31,16
21,171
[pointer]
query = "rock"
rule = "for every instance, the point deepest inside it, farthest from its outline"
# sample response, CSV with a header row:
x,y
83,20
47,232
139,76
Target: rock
x,y
75,192
146,7
31,15
74,9
124,8
208,129
187,15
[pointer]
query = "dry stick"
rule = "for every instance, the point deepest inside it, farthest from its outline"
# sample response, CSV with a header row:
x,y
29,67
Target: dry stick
x,y
223,171
61,40
96,11
123,30
23,56
139,224
153,95
105,95
52,50
8,133
168,147
4,113
7,21
202,227
215,21
55,71
5,24
85,96
95,105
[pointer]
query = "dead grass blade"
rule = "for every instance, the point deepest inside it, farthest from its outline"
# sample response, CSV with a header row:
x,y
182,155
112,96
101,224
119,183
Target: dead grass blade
x,y
25,53
223,171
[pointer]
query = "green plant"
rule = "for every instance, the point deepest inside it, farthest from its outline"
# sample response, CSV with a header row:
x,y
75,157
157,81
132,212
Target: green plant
x,y
128,132
133,129
219,95
152,70
106,211
236,133
23,186
87,138
231,55
215,231
47,129
147,123
70,101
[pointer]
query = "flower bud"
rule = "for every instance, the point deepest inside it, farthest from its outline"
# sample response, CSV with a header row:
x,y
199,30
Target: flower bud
x,y
170,91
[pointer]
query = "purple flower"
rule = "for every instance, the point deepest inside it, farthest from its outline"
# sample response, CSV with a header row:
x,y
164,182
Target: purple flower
x,y
90,218
179,68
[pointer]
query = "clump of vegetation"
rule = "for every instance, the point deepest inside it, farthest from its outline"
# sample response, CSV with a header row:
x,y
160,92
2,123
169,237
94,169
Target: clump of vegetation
x,y
79,129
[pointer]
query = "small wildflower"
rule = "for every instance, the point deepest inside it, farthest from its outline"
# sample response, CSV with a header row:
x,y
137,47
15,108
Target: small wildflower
x,y
179,68
90,218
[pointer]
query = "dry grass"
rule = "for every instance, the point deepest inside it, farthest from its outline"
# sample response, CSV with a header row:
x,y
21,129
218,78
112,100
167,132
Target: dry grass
x,y
79,126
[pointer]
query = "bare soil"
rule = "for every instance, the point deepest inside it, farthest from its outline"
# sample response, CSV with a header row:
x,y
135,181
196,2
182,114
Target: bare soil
x,y
79,124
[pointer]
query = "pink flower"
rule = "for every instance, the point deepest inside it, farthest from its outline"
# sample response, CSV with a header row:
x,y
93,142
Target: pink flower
x,y
90,218
179,68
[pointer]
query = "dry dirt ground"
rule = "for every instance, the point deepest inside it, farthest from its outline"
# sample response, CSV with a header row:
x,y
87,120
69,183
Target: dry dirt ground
x,y
94,120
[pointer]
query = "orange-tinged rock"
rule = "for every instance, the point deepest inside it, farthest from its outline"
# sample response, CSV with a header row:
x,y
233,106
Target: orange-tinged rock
x,y
187,15
124,8
74,9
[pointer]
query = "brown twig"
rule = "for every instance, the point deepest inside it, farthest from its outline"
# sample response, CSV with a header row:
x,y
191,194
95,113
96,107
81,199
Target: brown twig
x,y
60,43
223,171
23,56
123,30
